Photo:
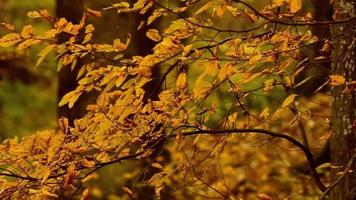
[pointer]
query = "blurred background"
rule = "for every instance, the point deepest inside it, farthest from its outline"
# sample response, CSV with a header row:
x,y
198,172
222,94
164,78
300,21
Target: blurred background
x,y
27,95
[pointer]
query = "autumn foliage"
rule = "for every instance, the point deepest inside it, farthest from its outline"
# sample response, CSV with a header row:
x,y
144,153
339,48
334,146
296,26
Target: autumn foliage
x,y
225,90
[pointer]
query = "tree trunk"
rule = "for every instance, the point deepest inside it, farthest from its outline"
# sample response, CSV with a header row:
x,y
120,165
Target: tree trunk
x,y
72,10
343,141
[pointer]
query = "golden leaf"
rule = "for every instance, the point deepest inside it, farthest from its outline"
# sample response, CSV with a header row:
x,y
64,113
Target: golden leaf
x,y
88,163
181,81
63,124
157,165
289,100
187,49
277,3
27,43
203,8
212,68
226,71
45,174
327,47
295,5
43,54
255,59
48,194
336,80
27,31
154,35
68,179
85,194
70,98
34,14
10,39
264,113
8,26
154,16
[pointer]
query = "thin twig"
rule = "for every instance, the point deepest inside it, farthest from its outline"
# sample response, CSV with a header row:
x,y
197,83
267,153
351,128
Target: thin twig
x,y
348,167
306,151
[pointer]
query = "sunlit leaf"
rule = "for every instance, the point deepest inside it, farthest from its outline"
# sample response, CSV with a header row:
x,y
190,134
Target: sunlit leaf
x,y
336,80
181,81
289,100
154,35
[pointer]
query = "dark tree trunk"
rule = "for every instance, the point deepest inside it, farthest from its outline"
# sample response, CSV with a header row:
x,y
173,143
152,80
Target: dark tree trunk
x,y
72,10
343,141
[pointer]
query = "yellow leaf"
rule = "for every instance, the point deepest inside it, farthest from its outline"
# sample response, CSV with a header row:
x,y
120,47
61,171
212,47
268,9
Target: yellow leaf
x,y
295,5
309,16
34,14
226,71
154,35
212,68
27,43
88,163
322,166
154,16
63,124
60,24
45,174
48,194
43,54
264,113
10,39
219,11
268,85
327,47
187,49
50,34
336,80
119,46
27,31
9,27
157,165
69,176
85,194
181,81
289,100
203,8
44,13
255,59
90,177
70,98
277,3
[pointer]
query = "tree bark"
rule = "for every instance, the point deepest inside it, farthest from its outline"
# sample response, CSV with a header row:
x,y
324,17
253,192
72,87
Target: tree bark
x,y
343,140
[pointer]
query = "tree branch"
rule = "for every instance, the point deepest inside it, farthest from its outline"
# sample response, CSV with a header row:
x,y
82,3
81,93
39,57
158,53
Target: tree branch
x,y
306,151
295,23
348,167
